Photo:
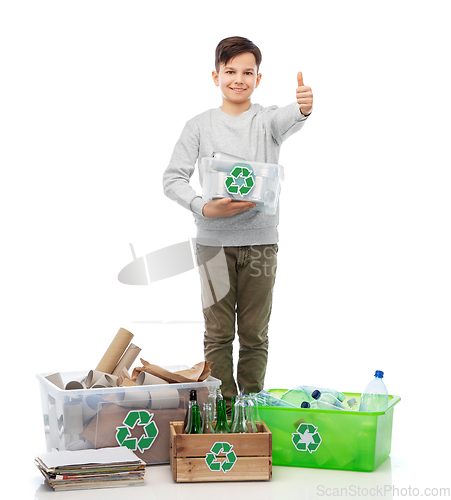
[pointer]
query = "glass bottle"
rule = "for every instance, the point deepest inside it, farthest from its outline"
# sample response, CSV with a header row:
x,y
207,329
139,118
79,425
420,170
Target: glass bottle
x,y
221,423
253,396
192,401
239,416
195,424
207,424
212,401
251,425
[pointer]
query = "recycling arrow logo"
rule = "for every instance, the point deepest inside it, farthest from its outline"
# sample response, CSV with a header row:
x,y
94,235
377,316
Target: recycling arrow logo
x,y
240,179
214,464
143,419
306,438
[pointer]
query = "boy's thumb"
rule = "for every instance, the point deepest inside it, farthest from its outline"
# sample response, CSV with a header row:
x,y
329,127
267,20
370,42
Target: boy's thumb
x,y
225,201
300,80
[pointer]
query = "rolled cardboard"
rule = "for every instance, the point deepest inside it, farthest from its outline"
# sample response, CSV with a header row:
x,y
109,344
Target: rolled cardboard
x,y
73,417
145,378
91,406
167,399
131,398
73,385
93,376
127,359
56,379
105,381
115,351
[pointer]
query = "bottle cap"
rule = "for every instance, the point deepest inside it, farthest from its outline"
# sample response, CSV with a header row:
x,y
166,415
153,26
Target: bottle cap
x,y
352,401
305,404
379,374
193,395
316,394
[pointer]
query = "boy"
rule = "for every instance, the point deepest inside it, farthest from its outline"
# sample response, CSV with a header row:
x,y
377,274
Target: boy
x,y
248,237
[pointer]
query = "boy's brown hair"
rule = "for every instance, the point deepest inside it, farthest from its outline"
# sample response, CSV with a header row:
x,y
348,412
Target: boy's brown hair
x,y
233,46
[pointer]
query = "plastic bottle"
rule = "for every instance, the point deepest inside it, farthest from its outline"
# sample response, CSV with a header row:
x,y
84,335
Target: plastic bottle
x,y
309,390
375,396
265,398
296,396
326,401
353,405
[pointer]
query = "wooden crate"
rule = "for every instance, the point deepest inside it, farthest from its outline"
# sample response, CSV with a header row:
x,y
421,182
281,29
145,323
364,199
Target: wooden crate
x,y
220,457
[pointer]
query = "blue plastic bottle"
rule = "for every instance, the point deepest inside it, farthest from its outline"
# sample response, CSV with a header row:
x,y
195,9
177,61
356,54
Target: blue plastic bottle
x,y
375,396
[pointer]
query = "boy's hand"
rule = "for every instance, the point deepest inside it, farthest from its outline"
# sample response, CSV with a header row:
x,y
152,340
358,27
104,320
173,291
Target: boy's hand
x,y
223,207
304,96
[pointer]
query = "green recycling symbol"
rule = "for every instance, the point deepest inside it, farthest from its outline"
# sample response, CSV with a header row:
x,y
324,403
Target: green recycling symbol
x,y
240,179
230,457
306,438
141,418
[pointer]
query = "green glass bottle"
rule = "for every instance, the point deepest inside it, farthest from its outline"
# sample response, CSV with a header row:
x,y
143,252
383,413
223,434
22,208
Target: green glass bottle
x,y
221,424
196,426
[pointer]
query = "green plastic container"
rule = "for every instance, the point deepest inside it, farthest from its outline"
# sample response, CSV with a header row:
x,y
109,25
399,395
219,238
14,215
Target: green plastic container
x,y
326,439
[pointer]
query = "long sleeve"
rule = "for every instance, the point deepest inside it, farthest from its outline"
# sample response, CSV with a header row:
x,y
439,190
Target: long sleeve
x,y
285,121
180,169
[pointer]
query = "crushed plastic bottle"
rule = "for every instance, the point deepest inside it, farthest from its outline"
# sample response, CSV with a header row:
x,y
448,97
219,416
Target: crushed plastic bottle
x,y
326,401
353,405
304,393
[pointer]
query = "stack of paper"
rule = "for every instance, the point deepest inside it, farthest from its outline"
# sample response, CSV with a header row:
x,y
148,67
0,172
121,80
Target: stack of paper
x,y
84,469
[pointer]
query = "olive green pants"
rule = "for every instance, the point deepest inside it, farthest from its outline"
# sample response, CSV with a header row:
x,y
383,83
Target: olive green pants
x,y
237,290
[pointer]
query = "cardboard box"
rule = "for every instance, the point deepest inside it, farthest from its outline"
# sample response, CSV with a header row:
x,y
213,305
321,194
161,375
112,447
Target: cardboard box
x,y
220,457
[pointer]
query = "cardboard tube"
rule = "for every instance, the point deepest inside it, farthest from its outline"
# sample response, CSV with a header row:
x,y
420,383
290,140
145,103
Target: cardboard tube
x,y
131,398
93,376
56,379
73,417
105,381
127,359
115,351
91,406
164,400
73,385
145,378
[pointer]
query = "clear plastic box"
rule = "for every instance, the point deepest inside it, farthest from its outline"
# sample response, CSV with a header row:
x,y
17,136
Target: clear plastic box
x,y
243,181
328,439
136,417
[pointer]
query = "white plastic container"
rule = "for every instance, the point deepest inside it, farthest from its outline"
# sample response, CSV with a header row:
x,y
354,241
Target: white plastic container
x,y
136,417
259,183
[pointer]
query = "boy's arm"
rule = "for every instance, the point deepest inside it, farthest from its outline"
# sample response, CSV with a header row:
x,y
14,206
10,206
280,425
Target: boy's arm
x,y
180,169
177,176
287,120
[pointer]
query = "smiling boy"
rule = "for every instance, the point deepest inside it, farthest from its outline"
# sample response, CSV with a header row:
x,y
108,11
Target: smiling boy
x,y
248,237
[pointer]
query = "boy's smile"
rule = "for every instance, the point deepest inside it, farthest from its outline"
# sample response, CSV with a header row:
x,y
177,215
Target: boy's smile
x,y
237,79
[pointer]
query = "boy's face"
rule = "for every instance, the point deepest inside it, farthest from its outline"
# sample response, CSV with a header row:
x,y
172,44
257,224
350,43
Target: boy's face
x,y
238,78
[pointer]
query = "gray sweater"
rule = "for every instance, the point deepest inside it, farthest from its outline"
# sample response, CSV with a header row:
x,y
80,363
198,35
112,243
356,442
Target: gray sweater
x,y
256,135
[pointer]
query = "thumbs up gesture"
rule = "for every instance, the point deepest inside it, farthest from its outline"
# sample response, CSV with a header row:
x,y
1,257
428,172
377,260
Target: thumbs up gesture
x,y
304,96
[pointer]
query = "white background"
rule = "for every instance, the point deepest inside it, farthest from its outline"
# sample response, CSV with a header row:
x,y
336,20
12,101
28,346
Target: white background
x,y
94,95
